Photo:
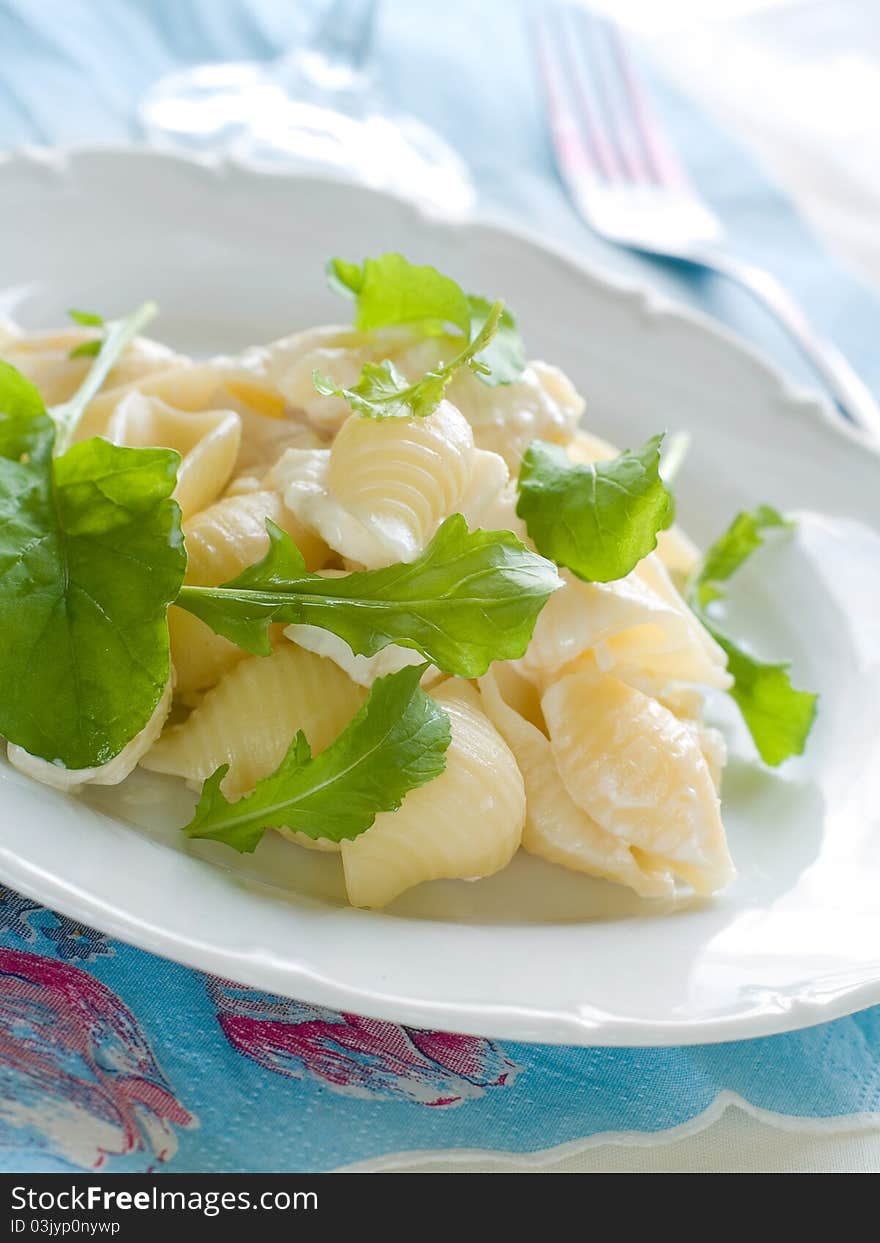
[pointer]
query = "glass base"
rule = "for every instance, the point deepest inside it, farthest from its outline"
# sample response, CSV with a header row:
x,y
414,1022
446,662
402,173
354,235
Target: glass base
x,y
246,112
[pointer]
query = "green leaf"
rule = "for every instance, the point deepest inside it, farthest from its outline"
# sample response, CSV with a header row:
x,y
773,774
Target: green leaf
x,y
391,292
778,716
91,554
736,545
396,742
382,392
504,356
86,349
598,520
117,336
470,598
88,319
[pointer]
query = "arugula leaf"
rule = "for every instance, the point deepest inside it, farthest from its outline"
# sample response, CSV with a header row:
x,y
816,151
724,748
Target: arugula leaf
x,y
88,319
598,520
86,349
396,742
391,292
736,545
778,717
91,554
504,356
470,598
383,392
117,336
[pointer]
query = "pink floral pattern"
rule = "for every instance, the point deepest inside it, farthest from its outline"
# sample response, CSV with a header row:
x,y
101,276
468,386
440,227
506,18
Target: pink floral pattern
x,y
358,1056
78,1079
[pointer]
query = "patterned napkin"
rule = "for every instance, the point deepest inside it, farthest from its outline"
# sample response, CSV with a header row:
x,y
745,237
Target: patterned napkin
x,y
112,1058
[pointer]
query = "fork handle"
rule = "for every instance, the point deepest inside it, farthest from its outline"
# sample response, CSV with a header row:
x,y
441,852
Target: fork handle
x,y
851,394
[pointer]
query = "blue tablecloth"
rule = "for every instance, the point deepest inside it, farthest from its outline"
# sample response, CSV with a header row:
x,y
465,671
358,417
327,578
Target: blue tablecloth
x,y
110,1057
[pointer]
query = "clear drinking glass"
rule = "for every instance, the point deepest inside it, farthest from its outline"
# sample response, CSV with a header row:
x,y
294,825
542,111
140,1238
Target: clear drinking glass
x,y
316,108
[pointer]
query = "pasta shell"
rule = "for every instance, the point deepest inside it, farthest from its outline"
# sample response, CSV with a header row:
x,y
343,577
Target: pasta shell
x,y
268,426
540,404
499,514
557,829
585,448
221,542
677,551
250,718
402,477
287,365
230,535
207,443
489,478
629,624
44,358
640,773
380,493
466,823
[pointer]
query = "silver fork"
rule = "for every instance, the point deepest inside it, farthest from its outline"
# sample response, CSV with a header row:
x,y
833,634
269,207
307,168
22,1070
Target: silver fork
x,y
630,186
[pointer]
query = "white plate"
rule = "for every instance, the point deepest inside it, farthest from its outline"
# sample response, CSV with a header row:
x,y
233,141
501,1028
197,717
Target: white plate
x,y
535,953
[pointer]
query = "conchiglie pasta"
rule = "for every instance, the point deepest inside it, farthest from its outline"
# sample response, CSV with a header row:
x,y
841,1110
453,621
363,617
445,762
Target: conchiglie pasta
x,y
287,366
221,542
339,352
541,403
678,552
626,623
464,824
192,387
268,425
401,477
585,448
207,442
44,358
379,494
499,514
265,438
489,479
640,774
250,718
556,829
591,750
231,535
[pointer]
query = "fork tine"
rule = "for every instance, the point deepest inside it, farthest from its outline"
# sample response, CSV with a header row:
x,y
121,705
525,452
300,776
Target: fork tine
x,y
590,39
572,150
587,92
665,166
